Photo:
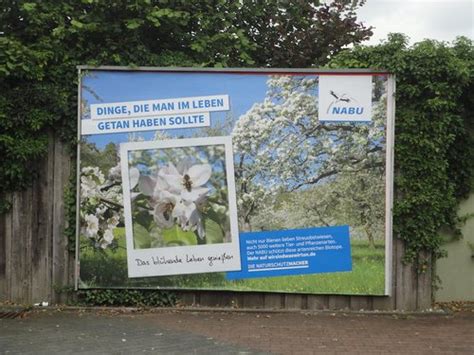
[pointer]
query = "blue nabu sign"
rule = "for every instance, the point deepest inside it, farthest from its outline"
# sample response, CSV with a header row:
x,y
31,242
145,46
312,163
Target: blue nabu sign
x,y
347,110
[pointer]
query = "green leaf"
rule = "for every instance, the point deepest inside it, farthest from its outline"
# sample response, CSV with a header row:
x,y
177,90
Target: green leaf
x,y
176,236
119,234
213,232
133,24
141,237
219,218
29,6
77,24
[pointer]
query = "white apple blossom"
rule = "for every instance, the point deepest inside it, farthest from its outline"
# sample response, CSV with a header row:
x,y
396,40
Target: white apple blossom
x,y
92,225
189,217
134,175
113,221
177,193
107,239
282,146
91,181
115,173
164,211
101,205
189,182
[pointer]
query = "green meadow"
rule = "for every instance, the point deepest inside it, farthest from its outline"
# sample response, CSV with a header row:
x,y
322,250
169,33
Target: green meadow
x,y
108,269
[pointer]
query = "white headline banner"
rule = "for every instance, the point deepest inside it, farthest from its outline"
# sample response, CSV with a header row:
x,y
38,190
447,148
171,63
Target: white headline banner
x,y
151,108
145,124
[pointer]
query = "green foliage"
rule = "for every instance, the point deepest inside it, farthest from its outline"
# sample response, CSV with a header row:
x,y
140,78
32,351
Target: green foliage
x,y
302,33
434,156
134,298
104,159
70,211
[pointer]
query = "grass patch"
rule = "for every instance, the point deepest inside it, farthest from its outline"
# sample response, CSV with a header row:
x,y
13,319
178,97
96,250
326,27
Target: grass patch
x,y
366,277
109,269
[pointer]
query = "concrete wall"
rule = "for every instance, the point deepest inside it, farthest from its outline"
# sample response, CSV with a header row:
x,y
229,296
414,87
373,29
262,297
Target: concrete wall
x,y
457,270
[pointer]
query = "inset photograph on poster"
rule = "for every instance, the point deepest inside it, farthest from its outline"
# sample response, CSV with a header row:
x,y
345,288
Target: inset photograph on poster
x,y
180,207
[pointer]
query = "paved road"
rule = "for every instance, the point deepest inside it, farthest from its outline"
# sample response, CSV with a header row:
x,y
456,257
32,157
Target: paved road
x,y
96,333
186,332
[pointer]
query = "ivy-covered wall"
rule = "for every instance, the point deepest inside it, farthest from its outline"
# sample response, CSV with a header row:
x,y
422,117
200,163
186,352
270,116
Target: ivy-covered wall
x,y
434,152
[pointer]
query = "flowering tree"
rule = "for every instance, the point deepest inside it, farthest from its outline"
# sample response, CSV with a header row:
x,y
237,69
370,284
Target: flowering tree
x,y
282,146
101,205
350,198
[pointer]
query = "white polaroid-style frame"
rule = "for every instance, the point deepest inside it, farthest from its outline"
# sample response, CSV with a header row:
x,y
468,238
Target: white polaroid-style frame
x,y
177,260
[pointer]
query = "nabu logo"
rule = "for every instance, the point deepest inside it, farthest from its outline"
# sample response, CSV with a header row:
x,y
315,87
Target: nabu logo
x,y
344,104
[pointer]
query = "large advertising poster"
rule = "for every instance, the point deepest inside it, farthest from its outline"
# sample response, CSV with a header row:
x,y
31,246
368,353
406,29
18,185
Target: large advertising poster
x,y
244,180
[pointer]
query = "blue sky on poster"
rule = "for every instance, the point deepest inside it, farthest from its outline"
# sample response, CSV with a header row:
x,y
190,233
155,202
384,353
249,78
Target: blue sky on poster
x,y
442,20
120,86
243,92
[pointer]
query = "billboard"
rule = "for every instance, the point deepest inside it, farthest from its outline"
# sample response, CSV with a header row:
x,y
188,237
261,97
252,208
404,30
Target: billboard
x,y
243,180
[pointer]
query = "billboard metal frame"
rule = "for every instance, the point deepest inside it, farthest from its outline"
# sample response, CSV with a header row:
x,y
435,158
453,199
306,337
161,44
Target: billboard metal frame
x,y
390,140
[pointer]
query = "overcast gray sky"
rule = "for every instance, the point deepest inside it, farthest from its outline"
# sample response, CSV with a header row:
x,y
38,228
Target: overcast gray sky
x,y
419,19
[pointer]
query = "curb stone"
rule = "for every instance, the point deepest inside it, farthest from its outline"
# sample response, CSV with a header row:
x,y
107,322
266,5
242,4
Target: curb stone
x,y
125,310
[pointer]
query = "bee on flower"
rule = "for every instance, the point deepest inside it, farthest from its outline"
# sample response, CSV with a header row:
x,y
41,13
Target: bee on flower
x,y
177,192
